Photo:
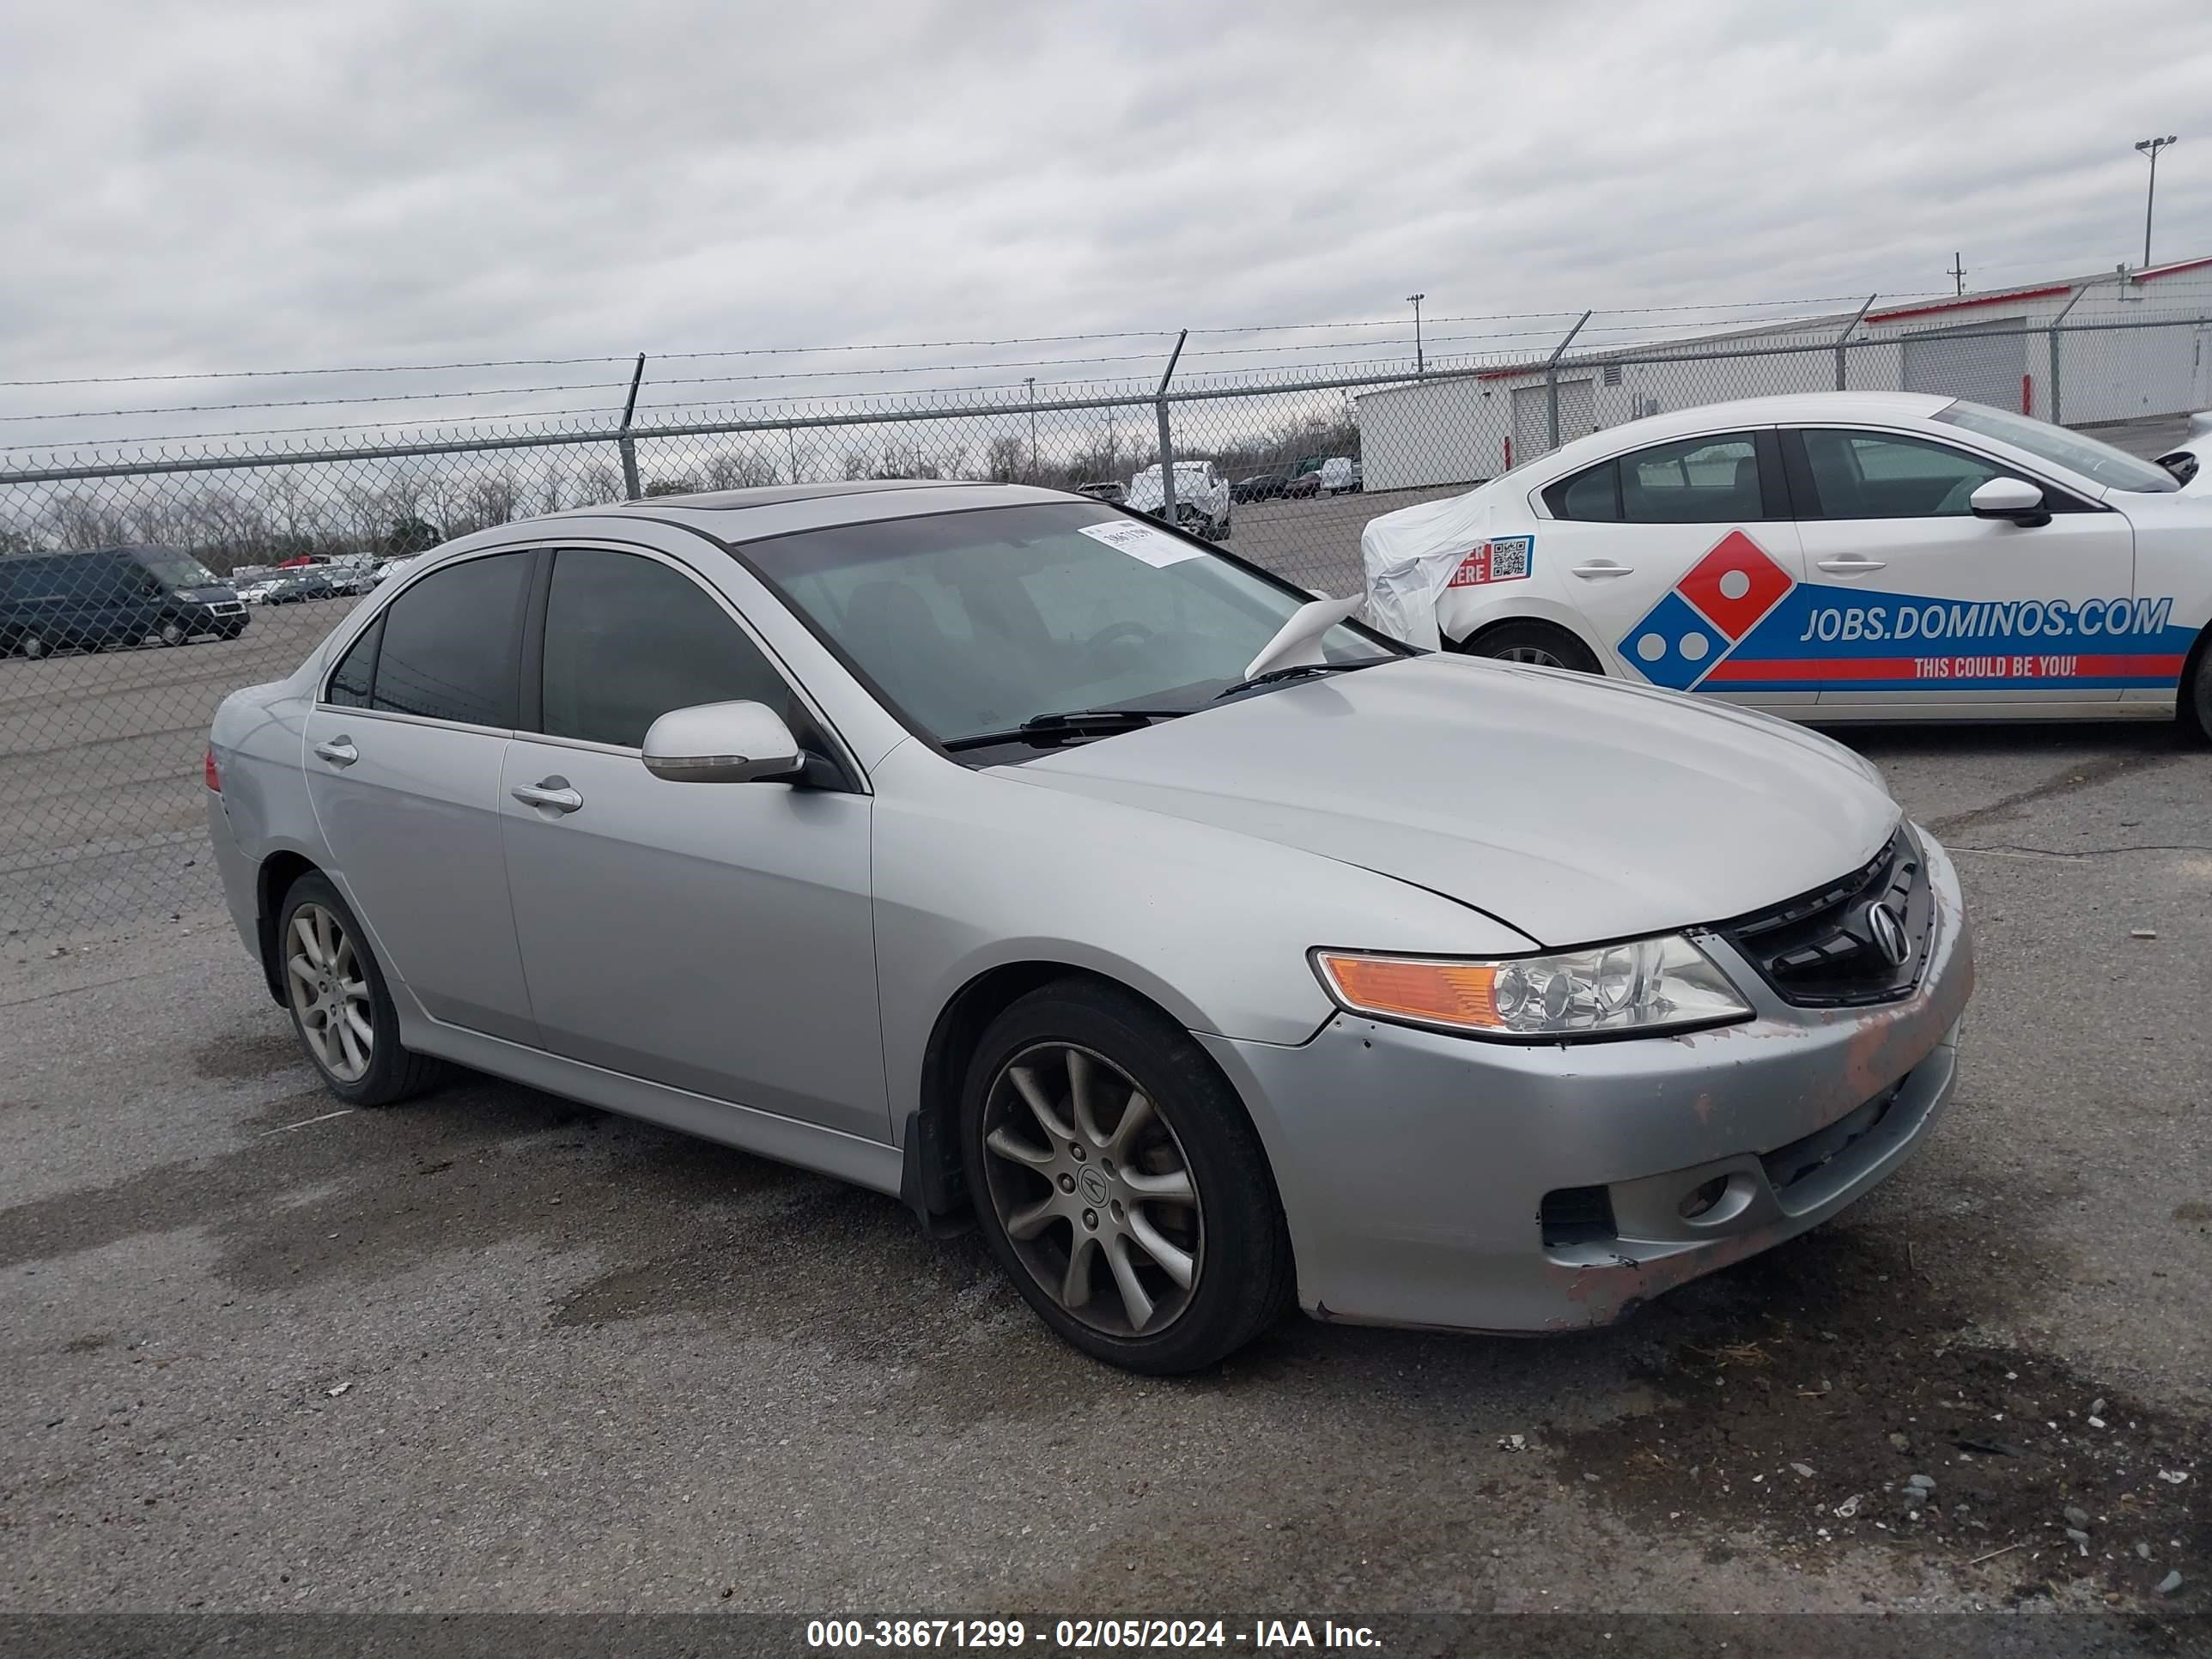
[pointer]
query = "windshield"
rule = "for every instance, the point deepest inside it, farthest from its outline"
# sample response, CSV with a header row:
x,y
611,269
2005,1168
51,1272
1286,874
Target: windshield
x,y
176,569
972,623
2086,456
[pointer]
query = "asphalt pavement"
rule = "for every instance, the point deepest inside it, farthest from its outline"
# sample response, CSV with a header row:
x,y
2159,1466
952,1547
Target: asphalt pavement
x,y
492,1350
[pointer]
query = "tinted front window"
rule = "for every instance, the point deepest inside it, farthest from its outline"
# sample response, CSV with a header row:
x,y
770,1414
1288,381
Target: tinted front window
x,y
975,622
628,639
450,643
2070,449
1692,481
174,569
1874,475
351,686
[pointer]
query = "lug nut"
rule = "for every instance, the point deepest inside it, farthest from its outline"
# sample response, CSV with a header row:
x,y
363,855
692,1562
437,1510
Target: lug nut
x,y
1075,1150
1067,1183
1090,1220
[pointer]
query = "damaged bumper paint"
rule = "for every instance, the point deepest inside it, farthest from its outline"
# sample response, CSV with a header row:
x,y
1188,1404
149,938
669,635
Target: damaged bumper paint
x,y
1420,1171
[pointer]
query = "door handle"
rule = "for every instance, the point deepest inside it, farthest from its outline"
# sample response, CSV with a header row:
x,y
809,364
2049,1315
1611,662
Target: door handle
x,y
553,792
1597,569
338,751
1851,564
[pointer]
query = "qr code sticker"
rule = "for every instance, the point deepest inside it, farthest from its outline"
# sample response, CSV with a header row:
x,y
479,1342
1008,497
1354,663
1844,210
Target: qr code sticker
x,y
1509,559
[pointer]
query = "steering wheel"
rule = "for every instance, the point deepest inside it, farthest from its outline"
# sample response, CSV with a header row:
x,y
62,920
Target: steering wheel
x,y
1960,497
1112,631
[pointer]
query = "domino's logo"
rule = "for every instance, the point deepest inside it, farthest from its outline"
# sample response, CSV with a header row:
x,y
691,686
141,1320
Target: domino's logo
x,y
1706,614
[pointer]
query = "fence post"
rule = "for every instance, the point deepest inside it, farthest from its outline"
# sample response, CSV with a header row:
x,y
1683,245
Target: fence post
x,y
627,444
1551,376
1857,317
2055,321
1167,439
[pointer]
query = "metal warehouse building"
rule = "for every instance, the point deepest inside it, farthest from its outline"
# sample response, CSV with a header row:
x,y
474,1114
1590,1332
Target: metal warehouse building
x,y
2102,348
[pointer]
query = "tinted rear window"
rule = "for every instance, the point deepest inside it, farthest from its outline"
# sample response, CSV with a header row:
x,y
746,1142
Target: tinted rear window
x,y
451,642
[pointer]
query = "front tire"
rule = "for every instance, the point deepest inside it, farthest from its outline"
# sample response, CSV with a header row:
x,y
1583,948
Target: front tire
x,y
340,1006
1120,1183
172,632
1538,644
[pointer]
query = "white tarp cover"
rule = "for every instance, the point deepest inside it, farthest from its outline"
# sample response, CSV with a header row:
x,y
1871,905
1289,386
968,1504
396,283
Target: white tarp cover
x,y
1410,556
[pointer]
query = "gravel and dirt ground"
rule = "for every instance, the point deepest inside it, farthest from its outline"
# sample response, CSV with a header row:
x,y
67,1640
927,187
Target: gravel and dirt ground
x,y
495,1350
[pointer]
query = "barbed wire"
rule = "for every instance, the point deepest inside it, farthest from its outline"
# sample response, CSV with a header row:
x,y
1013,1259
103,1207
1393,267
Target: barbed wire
x,y
907,345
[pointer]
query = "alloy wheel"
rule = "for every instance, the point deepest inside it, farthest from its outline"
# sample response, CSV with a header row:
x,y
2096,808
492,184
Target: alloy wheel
x,y
171,632
33,646
1530,654
1093,1190
330,992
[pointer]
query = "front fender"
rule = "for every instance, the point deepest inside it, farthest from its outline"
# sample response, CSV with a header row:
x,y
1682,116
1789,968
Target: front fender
x,y
1466,611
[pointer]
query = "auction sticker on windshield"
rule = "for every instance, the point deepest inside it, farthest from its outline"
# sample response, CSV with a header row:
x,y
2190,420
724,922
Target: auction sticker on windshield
x,y
1141,541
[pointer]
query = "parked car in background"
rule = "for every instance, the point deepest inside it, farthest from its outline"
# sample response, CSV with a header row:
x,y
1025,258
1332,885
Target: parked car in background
x,y
1202,497
258,591
1339,475
1301,486
299,585
354,573
1259,487
1106,489
111,596
388,569
1216,953
1830,555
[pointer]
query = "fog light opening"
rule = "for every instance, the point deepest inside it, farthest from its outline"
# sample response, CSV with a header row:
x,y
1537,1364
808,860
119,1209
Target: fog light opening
x,y
1702,1199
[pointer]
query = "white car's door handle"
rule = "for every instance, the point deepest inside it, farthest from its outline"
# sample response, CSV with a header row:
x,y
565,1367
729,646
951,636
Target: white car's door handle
x,y
338,751
1851,564
549,792
1598,569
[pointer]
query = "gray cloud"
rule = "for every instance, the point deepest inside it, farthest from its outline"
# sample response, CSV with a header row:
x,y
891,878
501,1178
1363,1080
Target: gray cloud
x,y
243,184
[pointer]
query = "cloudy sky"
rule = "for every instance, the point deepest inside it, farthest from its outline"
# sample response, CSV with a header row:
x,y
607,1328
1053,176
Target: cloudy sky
x,y
231,184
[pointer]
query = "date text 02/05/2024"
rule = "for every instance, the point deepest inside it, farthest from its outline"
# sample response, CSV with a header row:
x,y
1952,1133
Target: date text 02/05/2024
x,y
1084,1635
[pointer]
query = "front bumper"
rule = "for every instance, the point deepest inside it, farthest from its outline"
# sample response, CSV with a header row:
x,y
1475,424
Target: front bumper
x,y
1414,1166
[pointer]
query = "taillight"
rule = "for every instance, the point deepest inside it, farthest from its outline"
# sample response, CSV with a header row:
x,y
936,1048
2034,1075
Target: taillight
x,y
214,777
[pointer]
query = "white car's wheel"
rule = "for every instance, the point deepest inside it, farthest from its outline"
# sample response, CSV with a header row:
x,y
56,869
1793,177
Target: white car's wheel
x,y
1539,644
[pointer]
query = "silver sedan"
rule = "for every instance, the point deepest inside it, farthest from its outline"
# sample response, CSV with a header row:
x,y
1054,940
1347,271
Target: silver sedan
x,y
1004,851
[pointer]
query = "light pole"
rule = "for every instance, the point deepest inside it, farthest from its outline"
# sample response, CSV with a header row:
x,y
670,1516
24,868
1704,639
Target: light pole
x,y
1031,381
1420,362
2151,147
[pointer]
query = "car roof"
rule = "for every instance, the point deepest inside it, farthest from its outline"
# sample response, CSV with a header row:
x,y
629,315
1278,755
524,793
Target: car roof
x,y
1784,409
743,516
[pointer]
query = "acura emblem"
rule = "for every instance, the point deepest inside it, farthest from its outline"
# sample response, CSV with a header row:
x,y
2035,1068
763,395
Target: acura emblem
x,y
1886,929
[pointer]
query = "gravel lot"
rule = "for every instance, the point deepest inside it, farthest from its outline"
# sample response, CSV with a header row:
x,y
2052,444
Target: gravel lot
x,y
494,1351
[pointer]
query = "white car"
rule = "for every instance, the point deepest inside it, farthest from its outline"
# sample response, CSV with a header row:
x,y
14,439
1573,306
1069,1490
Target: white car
x,y
1834,556
1202,505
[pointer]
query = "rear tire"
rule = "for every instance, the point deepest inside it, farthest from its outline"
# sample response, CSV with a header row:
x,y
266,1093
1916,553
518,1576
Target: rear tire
x,y
2195,713
334,990
33,646
1539,644
1065,1177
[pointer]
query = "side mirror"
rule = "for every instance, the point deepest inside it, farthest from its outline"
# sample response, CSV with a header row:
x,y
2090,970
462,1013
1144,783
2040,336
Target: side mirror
x,y
2010,498
722,742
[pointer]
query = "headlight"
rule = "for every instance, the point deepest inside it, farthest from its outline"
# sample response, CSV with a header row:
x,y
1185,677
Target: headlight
x,y
1646,985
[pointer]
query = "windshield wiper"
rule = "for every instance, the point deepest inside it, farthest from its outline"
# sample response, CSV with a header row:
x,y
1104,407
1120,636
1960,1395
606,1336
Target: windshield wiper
x,y
1297,671
1044,731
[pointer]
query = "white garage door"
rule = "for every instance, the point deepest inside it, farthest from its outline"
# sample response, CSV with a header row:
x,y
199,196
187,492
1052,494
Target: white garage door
x,y
1532,416
1974,362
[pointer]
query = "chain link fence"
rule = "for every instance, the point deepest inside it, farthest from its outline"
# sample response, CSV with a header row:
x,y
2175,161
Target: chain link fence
x,y
139,586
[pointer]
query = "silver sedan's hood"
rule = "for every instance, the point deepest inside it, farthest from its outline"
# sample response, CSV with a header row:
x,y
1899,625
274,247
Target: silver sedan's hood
x,y
1573,808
